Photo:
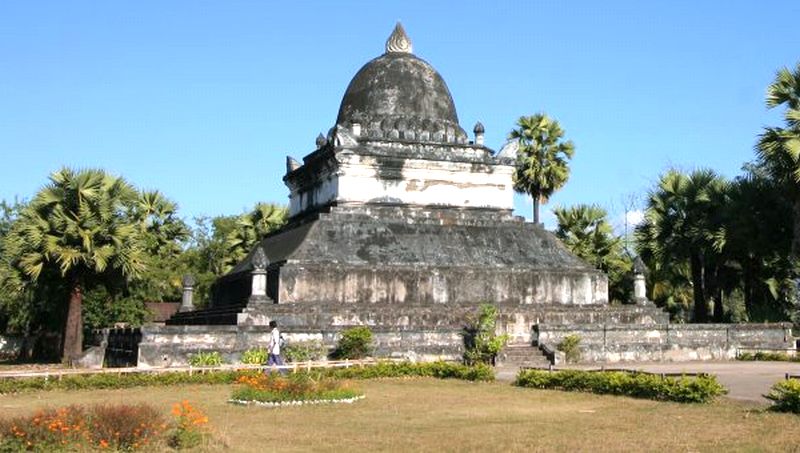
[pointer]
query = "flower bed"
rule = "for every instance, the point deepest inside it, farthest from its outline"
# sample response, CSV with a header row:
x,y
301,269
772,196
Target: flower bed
x,y
300,388
104,427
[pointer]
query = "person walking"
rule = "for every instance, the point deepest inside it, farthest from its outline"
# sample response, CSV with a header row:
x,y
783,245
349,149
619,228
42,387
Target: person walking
x,y
274,348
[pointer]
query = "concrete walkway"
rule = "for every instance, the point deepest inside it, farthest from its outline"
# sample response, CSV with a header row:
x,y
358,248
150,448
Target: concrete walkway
x,y
745,381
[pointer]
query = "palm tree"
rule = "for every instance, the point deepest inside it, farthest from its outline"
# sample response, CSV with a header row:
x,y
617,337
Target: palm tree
x,y
779,148
251,228
586,232
77,229
542,159
682,219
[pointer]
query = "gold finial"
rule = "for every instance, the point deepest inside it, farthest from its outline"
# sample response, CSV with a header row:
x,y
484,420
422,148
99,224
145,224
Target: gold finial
x,y
398,42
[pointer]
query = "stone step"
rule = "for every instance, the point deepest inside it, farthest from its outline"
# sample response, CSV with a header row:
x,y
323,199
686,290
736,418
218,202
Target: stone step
x,y
523,355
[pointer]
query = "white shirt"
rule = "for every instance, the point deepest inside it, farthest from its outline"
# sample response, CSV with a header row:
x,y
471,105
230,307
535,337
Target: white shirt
x,y
275,342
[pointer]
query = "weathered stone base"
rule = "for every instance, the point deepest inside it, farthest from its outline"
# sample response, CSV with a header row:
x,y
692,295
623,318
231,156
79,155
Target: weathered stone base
x,y
164,346
607,343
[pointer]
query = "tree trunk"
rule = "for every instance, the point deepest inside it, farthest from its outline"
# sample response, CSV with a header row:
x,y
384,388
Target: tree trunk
x,y
699,296
536,209
73,329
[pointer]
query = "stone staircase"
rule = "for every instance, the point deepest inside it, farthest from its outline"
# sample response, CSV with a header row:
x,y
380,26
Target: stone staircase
x,y
522,355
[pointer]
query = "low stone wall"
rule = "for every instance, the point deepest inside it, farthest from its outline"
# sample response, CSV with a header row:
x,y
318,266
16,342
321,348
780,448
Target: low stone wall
x,y
173,345
667,342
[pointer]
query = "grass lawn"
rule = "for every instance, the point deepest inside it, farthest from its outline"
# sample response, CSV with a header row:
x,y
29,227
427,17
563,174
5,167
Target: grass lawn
x,y
446,415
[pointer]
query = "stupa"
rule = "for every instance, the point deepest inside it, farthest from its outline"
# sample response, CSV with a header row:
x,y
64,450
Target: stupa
x,y
402,222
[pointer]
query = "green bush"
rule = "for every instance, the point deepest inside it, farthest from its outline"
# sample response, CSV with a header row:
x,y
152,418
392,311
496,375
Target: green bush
x,y
254,356
570,346
785,396
481,343
440,370
354,343
304,351
768,356
200,359
700,389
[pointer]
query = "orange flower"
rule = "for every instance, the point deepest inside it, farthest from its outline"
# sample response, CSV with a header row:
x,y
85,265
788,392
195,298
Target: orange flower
x,y
103,443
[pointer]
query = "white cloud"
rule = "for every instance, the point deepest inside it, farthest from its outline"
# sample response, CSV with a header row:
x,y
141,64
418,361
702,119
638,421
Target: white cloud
x,y
634,218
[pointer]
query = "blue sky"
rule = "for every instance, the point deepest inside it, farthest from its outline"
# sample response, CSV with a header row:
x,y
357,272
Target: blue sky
x,y
203,100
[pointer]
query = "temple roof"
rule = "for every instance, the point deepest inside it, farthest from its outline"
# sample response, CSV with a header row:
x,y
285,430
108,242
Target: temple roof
x,y
401,96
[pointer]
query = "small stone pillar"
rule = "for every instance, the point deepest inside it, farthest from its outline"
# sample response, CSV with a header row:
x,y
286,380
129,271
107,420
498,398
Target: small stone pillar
x,y
258,289
639,286
479,131
187,304
356,128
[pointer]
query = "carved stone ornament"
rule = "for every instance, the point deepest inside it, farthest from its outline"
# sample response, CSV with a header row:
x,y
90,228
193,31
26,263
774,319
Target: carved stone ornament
x,y
639,266
343,138
188,281
509,150
291,164
260,260
399,42
321,140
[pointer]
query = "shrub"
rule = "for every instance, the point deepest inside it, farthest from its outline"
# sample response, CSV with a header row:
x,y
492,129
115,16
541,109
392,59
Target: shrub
x,y
481,344
254,356
118,427
200,359
440,370
570,346
785,396
700,389
768,356
272,388
354,343
304,351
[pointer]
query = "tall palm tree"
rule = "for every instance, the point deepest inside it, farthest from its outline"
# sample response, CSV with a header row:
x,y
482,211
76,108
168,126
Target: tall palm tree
x,y
78,229
681,221
586,232
779,147
251,227
542,159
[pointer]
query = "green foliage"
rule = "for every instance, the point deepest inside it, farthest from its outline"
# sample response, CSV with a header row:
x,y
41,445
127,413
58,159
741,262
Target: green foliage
x,y
542,159
304,351
255,356
570,346
768,356
354,343
439,370
102,309
203,358
481,343
586,232
785,396
700,389
251,228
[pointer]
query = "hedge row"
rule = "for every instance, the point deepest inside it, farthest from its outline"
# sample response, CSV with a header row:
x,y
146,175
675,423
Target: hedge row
x,y
442,370
700,389
768,356
786,396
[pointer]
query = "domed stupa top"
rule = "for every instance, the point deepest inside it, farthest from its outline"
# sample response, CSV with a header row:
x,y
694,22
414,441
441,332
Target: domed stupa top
x,y
399,96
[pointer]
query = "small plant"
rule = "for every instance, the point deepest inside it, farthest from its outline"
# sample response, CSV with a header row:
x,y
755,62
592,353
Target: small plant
x,y
354,343
190,430
304,351
481,343
768,356
200,359
254,356
570,346
785,396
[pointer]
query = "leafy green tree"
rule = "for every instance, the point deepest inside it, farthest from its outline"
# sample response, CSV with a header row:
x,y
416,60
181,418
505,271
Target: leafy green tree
x,y
77,230
585,230
481,342
542,158
682,218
